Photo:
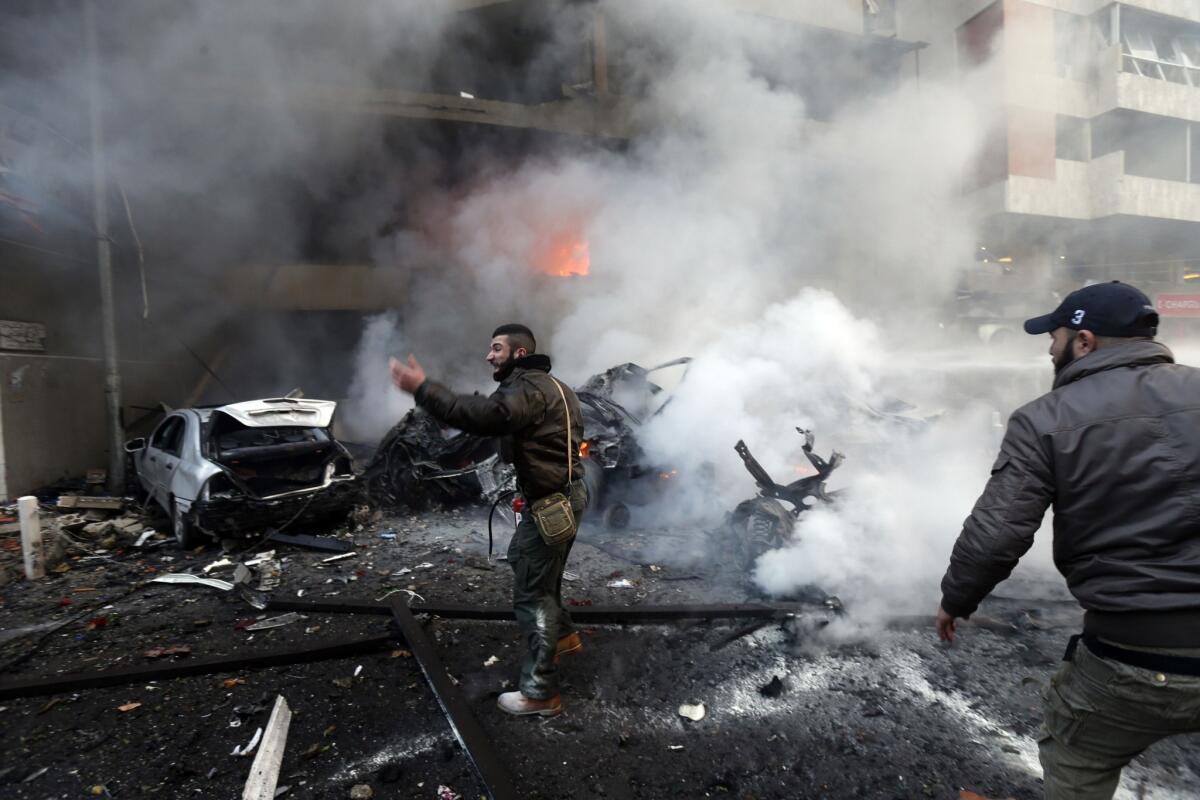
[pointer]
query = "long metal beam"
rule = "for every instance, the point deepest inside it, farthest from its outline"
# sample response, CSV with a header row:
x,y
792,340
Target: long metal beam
x,y
594,614
470,734
203,666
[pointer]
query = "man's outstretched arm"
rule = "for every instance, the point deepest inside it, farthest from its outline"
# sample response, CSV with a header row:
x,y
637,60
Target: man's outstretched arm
x,y
1001,527
502,413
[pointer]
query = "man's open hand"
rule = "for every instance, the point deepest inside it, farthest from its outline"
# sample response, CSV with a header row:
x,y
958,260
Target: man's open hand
x,y
407,377
945,625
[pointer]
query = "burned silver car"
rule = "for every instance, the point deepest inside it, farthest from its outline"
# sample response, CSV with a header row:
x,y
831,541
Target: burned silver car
x,y
241,467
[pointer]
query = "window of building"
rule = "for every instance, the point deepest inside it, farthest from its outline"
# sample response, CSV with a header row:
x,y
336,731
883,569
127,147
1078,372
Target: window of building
x,y
1154,48
1073,43
1071,138
1155,147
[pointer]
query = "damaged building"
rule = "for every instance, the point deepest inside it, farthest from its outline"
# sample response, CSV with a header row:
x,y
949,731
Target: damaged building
x,y
207,310
1089,170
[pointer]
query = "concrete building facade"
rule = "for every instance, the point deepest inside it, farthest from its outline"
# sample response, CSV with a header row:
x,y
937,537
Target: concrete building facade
x,y
1092,169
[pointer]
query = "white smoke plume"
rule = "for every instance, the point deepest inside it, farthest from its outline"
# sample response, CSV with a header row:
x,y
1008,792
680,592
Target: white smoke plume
x,y
372,406
800,263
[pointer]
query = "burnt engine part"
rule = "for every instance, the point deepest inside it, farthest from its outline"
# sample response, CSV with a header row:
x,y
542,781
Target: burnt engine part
x,y
765,522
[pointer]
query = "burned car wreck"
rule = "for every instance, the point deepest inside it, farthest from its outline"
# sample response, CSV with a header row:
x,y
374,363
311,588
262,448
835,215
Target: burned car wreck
x,y
222,471
764,522
420,462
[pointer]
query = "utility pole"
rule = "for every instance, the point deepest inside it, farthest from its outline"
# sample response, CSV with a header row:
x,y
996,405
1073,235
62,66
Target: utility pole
x,y
112,372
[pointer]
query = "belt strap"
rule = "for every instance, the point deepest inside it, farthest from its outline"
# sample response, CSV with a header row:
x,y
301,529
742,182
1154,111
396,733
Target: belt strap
x,y
1159,662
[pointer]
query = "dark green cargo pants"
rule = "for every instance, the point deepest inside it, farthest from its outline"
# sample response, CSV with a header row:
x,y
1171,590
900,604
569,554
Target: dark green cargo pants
x,y
1100,714
537,600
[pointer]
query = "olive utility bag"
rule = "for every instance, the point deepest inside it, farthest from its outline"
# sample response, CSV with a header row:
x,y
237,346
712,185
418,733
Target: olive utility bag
x,y
553,515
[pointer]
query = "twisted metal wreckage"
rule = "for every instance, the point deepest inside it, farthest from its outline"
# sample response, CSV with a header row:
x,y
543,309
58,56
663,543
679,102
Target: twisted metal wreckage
x,y
421,463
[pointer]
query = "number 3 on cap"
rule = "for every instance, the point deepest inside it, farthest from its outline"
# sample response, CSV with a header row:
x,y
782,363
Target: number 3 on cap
x,y
1078,318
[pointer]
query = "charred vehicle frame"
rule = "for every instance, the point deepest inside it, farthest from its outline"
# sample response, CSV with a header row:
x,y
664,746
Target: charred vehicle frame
x,y
224,470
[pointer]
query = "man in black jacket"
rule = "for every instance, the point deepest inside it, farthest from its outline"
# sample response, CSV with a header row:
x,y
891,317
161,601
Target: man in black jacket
x,y
530,410
1115,448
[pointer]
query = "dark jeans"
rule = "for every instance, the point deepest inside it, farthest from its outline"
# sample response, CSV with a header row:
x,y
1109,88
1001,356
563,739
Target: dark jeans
x,y
537,600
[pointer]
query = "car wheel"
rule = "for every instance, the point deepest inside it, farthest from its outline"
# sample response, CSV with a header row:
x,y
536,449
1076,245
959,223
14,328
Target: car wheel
x,y
185,532
617,517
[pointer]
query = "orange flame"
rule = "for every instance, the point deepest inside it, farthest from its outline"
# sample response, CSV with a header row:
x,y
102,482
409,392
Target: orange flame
x,y
566,253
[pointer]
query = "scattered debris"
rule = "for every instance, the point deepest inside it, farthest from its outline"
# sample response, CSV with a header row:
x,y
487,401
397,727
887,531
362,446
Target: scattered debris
x,y
693,712
129,707
172,650
570,576
361,791
620,583
745,630
249,748
492,660
184,578
446,793
325,543
276,622
341,557
99,503
270,572
264,772
229,683
33,776
994,625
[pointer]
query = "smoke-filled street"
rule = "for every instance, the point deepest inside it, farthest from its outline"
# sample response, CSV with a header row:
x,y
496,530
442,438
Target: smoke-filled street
x,y
599,398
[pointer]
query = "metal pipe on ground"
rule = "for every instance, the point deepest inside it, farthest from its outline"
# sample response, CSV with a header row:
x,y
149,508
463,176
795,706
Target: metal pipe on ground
x,y
119,677
470,734
590,614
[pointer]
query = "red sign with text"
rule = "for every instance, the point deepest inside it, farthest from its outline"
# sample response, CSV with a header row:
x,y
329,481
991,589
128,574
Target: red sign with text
x,y
1179,305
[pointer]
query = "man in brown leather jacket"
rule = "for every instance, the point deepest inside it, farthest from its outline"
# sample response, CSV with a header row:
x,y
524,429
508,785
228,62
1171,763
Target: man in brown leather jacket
x,y
1115,448
529,410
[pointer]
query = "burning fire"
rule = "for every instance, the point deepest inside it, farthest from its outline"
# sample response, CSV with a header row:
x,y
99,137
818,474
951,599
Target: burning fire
x,y
566,253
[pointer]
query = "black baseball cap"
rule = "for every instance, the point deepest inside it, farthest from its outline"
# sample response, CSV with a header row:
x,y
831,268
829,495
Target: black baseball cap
x,y
1105,309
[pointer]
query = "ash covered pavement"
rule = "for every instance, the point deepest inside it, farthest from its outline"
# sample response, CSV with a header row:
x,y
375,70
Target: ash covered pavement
x,y
786,713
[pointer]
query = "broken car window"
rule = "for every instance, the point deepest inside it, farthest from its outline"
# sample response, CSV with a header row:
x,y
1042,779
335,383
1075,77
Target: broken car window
x,y
169,436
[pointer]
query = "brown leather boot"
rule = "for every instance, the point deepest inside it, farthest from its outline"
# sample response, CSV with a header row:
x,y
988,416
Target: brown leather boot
x,y
519,705
568,645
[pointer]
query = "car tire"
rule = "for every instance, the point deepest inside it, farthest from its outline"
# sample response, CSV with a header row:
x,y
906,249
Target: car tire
x,y
185,531
617,517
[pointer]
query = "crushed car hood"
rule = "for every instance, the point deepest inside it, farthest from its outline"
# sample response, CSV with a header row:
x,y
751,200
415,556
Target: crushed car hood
x,y
282,411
